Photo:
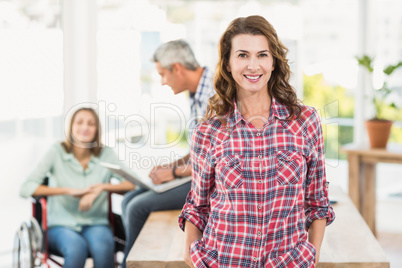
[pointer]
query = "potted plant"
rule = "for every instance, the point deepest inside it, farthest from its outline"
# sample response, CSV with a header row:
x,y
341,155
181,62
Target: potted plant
x,y
379,127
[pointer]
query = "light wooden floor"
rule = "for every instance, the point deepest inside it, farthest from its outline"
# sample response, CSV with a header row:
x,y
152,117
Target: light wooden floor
x,y
389,226
392,245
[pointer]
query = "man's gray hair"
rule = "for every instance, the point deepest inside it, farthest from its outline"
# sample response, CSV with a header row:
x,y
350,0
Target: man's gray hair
x,y
177,51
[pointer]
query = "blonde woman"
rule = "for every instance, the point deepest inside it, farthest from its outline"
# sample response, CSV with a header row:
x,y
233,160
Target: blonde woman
x,y
77,193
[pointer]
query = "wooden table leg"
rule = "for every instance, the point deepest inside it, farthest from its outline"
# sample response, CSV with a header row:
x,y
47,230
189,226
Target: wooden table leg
x,y
354,178
368,196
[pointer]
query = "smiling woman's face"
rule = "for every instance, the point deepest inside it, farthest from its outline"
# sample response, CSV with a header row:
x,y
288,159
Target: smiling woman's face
x,y
251,62
84,127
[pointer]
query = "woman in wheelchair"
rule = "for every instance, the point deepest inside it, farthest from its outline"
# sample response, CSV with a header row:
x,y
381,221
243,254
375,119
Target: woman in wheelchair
x,y
77,193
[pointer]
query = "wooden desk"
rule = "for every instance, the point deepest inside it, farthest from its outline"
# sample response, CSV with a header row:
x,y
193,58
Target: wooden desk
x,y
160,243
348,242
362,176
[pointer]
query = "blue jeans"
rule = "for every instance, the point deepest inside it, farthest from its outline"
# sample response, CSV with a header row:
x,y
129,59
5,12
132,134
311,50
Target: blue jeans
x,y
95,241
138,204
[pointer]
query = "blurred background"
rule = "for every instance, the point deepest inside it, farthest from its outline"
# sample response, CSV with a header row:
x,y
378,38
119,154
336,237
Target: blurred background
x,y
58,55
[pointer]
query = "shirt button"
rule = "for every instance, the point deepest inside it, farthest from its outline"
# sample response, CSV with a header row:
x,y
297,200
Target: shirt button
x,y
289,158
259,207
259,181
260,156
258,134
259,233
254,259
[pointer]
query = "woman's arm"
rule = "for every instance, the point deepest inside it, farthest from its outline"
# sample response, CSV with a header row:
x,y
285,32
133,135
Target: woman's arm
x,y
195,213
319,213
316,204
124,186
192,233
47,191
96,189
32,186
316,235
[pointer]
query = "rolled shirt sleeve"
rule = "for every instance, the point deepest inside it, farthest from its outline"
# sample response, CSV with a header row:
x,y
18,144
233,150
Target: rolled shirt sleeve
x,y
197,207
317,204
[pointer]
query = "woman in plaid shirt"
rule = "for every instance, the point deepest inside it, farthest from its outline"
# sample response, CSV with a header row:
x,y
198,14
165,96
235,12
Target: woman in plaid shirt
x,y
259,193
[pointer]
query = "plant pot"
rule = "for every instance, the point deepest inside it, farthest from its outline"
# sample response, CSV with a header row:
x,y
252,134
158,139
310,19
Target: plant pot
x,y
378,132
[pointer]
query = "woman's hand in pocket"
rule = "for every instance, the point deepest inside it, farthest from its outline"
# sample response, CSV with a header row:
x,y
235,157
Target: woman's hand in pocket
x,y
192,234
187,257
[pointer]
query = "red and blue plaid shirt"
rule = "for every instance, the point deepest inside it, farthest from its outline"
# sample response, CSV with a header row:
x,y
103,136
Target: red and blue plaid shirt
x,y
255,192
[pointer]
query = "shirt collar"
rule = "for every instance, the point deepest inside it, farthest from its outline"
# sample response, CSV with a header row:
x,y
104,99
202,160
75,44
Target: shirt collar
x,y
94,159
278,110
70,156
67,156
236,116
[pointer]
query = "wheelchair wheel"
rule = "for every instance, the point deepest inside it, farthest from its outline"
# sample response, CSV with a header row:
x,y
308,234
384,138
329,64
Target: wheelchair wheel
x,y
22,256
36,237
37,242
16,250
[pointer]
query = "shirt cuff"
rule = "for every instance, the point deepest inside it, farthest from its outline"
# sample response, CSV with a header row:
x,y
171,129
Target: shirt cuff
x,y
188,214
27,189
319,214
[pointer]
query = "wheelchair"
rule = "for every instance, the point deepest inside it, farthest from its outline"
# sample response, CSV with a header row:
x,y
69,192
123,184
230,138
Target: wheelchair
x,y
30,241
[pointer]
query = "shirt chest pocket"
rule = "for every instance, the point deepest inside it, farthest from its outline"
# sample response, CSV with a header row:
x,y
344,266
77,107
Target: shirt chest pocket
x,y
289,166
230,172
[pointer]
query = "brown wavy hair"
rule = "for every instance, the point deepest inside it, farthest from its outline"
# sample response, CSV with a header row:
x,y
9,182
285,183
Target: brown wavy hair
x,y
95,146
278,85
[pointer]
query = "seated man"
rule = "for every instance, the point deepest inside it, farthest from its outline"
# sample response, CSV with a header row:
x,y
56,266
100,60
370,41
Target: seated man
x,y
180,70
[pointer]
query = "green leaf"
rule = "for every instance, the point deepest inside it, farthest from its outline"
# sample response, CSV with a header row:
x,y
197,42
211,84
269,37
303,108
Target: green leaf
x,y
391,68
366,62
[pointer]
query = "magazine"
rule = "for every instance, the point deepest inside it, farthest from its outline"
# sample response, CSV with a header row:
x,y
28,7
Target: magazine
x,y
144,181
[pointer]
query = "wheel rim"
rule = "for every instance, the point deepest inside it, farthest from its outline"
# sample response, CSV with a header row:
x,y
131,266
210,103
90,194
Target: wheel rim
x,y
25,253
16,250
